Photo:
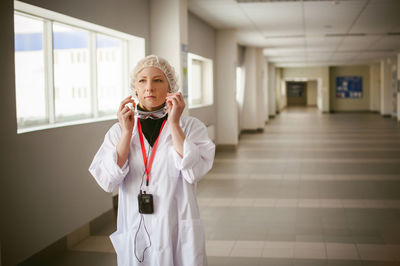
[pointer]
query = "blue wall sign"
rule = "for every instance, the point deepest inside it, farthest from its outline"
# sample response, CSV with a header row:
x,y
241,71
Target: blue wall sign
x,y
349,87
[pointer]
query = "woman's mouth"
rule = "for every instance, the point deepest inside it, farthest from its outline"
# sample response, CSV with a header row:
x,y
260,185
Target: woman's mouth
x,y
149,97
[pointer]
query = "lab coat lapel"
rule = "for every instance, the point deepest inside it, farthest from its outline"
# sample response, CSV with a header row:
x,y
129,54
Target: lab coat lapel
x,y
164,135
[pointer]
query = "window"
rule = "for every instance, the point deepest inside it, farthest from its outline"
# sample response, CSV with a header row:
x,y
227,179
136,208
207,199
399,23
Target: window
x,y
109,72
68,71
71,73
29,71
200,83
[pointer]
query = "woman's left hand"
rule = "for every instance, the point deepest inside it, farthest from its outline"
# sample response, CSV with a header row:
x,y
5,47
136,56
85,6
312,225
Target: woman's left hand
x,y
176,105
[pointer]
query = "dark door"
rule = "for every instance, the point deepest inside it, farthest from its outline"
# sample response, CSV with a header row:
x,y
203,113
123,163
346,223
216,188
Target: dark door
x,y
296,93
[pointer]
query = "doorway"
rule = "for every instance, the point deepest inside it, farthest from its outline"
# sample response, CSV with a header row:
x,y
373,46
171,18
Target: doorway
x,y
296,93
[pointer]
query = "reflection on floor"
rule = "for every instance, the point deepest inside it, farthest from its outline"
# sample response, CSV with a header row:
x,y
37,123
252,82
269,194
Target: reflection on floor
x,y
313,189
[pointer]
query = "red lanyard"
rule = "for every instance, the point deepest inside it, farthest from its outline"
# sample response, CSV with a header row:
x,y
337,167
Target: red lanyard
x,y
153,152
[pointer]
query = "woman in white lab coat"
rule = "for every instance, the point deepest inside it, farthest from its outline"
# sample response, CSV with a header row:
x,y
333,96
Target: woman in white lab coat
x,y
177,152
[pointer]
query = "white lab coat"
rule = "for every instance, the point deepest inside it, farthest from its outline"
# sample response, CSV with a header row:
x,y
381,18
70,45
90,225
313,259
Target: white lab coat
x,y
175,229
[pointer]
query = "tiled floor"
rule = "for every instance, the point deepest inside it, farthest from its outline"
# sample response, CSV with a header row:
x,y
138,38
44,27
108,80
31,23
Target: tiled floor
x,y
313,189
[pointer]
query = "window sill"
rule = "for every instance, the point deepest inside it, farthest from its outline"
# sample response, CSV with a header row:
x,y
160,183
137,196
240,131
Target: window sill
x,y
64,124
198,106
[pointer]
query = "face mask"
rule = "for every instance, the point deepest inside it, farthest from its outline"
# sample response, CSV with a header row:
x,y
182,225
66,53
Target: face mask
x,y
157,114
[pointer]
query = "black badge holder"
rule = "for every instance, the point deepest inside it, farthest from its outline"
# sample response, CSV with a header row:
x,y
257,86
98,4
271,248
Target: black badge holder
x,y
145,202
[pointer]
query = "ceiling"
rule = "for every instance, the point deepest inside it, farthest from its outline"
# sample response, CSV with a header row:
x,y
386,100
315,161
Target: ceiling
x,y
298,33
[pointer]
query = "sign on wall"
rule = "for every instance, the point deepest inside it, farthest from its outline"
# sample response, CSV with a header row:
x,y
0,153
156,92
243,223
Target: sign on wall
x,y
349,87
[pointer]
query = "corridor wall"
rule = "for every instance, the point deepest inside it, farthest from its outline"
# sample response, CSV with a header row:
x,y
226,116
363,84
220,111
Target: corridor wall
x,y
350,104
202,41
312,87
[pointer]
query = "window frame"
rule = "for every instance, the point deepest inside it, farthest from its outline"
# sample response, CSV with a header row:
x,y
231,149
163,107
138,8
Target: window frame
x,y
207,80
133,49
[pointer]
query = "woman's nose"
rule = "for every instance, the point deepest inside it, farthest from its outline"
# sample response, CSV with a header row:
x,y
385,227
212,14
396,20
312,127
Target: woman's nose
x,y
149,86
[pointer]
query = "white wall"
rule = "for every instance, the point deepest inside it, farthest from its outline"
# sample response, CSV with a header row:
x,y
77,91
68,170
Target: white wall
x,y
227,109
386,86
202,41
312,92
375,87
46,189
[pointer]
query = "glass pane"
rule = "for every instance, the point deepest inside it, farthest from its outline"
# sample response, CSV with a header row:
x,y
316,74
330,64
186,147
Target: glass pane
x,y
109,73
29,71
195,93
71,72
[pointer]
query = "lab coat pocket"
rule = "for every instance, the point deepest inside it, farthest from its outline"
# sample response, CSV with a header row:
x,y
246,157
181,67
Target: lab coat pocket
x,y
192,242
123,245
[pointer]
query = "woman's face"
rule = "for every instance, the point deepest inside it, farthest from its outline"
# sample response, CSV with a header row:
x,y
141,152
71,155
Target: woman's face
x,y
151,88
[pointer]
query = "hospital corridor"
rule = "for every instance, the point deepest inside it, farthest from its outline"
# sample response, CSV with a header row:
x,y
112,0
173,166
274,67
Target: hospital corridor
x,y
265,133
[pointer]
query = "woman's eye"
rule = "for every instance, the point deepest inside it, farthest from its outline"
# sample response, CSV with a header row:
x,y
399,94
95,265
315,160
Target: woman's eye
x,y
141,80
158,80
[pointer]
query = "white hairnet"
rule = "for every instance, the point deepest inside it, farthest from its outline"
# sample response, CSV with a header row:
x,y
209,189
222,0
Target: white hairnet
x,y
160,63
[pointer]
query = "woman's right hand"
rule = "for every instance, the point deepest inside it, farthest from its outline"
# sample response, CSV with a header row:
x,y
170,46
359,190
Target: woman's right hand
x,y
126,116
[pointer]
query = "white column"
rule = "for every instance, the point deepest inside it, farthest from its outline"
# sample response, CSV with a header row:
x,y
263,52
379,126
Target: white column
x,y
386,87
278,92
261,107
271,90
398,87
375,88
265,88
253,113
227,109
249,112
398,106
325,89
169,36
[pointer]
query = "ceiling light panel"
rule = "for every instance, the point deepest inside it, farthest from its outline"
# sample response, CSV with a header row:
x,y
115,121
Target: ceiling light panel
x,y
251,38
322,43
387,43
275,18
383,13
374,55
220,14
358,42
285,42
338,17
282,51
